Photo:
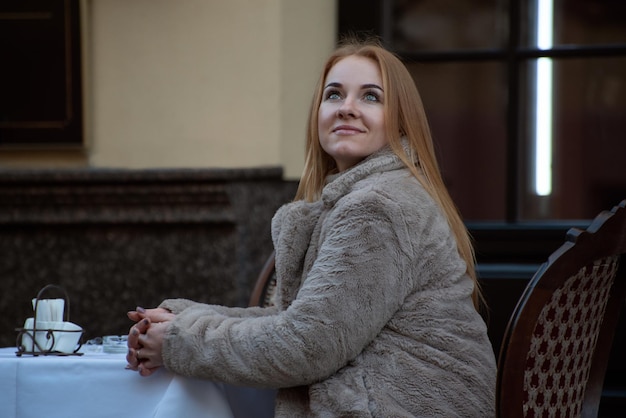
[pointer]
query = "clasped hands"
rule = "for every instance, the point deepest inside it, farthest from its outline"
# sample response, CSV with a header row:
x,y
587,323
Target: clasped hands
x,y
145,339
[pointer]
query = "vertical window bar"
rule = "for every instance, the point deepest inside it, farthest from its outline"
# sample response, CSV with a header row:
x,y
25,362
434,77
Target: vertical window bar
x,y
513,145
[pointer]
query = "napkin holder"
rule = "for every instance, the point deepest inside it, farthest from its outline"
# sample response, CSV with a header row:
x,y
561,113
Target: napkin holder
x,y
35,339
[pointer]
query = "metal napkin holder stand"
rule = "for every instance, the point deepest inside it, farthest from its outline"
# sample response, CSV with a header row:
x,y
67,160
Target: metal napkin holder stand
x,y
32,332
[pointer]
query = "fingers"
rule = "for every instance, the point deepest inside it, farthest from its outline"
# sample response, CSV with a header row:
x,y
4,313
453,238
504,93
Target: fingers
x,y
134,316
132,360
133,338
143,325
137,315
144,351
144,367
159,315
141,363
135,333
147,371
151,343
155,315
139,347
146,362
138,361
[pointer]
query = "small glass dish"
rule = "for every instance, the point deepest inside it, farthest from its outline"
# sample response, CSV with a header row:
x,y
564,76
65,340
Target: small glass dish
x,y
115,344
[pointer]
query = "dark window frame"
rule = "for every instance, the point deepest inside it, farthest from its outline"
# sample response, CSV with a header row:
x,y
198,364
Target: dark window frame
x,y
368,17
65,131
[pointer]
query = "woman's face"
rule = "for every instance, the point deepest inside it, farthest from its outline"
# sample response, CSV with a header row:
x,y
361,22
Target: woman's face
x,y
351,120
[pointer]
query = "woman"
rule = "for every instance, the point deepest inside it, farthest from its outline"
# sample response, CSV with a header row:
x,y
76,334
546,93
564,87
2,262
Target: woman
x,y
376,308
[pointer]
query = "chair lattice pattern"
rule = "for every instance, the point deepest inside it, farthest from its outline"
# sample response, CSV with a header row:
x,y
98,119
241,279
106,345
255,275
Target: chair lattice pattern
x,y
270,292
563,341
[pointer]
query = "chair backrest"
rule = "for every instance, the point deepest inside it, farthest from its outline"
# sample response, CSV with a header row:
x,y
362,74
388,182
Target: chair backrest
x,y
556,346
263,291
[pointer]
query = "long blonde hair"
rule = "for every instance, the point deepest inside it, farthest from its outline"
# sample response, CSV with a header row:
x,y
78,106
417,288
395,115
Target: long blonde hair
x,y
404,117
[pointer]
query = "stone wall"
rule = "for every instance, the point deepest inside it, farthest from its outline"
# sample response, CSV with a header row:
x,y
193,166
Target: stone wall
x,y
115,239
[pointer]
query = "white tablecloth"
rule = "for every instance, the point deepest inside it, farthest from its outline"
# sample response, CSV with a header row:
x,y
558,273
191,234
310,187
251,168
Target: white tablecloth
x,y
98,385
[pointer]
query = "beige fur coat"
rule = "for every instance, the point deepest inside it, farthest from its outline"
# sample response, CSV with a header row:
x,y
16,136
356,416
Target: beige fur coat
x,y
373,314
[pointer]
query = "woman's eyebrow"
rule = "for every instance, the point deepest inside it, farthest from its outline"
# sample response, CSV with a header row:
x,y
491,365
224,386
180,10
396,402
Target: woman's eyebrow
x,y
372,86
332,85
363,87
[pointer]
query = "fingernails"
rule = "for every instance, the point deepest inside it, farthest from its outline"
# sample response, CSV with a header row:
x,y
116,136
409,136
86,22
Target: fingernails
x,y
145,321
134,331
140,309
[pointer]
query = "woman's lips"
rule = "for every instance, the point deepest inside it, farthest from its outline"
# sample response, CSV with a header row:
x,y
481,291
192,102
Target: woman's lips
x,y
347,130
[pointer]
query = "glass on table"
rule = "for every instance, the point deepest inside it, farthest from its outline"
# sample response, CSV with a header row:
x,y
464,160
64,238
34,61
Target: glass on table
x,y
115,344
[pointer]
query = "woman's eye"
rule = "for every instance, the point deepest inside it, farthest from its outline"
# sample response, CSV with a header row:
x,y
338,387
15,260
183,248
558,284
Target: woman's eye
x,y
371,97
333,95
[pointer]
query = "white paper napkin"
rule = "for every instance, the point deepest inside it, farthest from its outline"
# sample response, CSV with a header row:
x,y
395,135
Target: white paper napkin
x,y
49,310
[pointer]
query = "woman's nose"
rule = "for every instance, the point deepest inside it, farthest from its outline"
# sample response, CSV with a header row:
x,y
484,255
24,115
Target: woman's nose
x,y
347,109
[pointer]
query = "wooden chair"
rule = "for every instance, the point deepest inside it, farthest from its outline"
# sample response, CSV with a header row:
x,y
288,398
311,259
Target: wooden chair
x,y
265,285
555,349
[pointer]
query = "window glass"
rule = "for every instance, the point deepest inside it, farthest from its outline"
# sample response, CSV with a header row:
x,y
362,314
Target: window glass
x,y
468,124
520,138
34,90
436,25
576,22
588,164
40,74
